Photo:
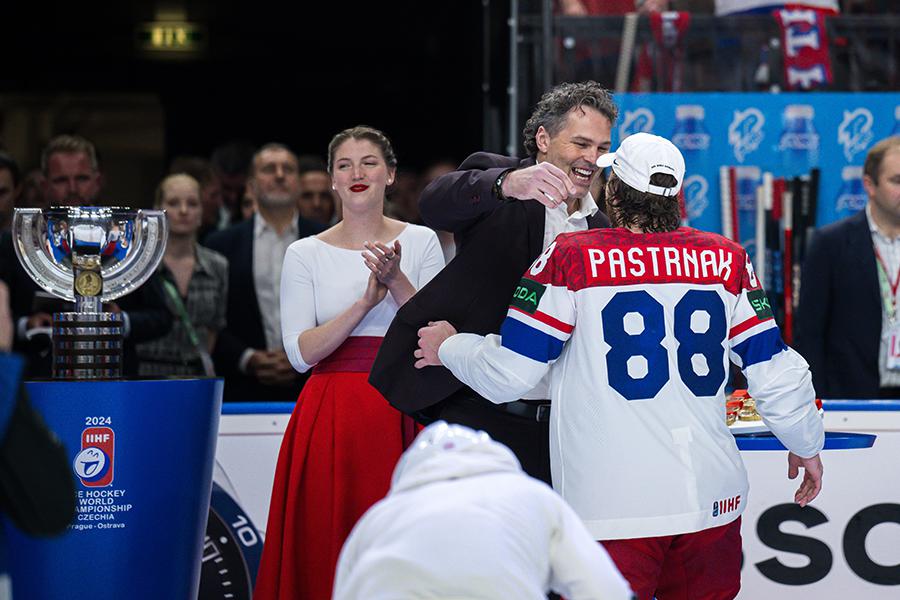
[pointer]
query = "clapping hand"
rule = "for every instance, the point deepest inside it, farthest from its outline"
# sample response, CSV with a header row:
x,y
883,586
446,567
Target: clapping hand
x,y
383,261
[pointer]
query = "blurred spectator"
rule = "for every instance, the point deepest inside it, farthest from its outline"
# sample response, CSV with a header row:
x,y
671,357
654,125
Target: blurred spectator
x,y
249,351
583,8
750,7
37,489
10,187
195,280
248,204
72,177
32,192
847,316
215,215
232,160
403,198
432,172
317,198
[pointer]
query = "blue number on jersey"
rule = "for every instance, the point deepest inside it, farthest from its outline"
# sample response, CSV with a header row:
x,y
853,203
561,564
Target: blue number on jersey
x,y
645,341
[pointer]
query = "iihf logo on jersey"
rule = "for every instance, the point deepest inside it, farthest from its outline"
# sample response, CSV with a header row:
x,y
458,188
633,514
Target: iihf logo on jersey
x,y
636,121
855,131
720,507
94,464
696,189
746,132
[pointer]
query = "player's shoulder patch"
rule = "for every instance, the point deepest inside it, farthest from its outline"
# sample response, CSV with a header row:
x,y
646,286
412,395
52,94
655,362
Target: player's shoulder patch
x,y
760,303
527,295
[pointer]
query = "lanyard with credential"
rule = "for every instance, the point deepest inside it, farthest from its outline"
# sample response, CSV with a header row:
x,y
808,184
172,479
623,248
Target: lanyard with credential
x,y
888,288
205,358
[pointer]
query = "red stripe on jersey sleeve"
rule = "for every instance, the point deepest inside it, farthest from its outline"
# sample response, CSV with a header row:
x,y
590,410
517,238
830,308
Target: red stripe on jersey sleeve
x,y
546,320
745,325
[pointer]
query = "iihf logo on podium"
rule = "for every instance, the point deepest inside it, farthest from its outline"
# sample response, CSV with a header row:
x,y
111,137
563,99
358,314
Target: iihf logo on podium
x,y
94,464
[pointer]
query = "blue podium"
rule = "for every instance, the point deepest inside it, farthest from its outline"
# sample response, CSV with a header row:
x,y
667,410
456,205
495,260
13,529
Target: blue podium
x,y
142,456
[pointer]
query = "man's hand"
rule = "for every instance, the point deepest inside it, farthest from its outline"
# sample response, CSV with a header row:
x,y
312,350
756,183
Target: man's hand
x,y
544,182
271,367
430,340
812,477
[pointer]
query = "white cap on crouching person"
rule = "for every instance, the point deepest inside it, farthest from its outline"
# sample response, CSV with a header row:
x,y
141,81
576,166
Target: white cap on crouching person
x,y
642,155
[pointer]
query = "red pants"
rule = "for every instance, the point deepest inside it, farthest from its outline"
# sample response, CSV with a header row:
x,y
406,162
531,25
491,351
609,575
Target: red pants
x,y
703,565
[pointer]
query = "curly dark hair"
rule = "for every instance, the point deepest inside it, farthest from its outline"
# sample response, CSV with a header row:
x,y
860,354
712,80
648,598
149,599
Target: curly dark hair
x,y
651,213
554,106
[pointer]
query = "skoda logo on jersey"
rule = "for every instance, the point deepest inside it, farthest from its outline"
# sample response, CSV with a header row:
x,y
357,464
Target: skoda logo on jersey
x,y
636,121
91,464
746,132
695,195
855,131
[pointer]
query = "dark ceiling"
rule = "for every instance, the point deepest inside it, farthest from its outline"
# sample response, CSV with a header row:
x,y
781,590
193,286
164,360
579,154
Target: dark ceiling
x,y
296,73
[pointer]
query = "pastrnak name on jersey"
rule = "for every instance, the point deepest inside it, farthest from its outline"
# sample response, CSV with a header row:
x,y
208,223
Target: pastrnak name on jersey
x,y
659,264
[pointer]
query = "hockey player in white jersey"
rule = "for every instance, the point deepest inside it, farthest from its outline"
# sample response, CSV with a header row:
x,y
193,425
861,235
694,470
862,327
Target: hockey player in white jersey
x,y
639,323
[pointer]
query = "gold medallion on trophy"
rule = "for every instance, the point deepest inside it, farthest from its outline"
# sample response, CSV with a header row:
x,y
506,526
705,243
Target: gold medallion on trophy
x,y
88,283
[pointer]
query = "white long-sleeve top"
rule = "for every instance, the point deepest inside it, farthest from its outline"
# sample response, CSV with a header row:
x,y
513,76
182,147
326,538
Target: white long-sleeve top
x,y
319,281
639,329
471,525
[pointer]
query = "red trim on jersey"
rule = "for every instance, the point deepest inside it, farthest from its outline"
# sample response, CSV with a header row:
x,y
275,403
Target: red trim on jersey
x,y
745,325
546,320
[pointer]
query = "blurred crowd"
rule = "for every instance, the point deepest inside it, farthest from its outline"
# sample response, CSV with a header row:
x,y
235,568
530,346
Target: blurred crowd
x,y
174,321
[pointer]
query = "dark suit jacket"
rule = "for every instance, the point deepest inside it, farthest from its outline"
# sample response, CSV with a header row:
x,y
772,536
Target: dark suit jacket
x,y
244,327
838,327
146,307
499,239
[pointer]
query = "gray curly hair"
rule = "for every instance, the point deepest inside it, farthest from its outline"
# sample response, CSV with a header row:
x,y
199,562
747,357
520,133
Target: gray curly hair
x,y
554,106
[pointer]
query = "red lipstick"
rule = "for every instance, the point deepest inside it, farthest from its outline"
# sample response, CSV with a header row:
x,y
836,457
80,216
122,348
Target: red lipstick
x,y
359,187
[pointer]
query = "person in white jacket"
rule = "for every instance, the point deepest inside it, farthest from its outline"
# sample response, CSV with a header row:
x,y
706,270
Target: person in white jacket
x,y
462,520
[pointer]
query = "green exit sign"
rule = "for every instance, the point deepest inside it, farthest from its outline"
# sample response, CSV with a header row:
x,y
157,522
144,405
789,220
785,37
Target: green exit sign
x,y
171,37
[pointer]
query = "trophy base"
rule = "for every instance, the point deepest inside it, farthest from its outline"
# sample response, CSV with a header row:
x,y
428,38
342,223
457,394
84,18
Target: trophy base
x,y
87,345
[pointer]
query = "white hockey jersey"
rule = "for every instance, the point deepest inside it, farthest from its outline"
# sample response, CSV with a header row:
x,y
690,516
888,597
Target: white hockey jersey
x,y
640,329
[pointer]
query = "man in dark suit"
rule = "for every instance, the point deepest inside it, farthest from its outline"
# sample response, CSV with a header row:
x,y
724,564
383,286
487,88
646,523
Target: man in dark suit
x,y
249,351
503,211
848,313
72,177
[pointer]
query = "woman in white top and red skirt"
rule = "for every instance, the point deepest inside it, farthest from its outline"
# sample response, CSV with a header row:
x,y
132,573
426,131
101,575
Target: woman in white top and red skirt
x,y
339,292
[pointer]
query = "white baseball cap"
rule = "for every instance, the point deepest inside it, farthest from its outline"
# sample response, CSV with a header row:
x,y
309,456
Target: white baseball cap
x,y
640,156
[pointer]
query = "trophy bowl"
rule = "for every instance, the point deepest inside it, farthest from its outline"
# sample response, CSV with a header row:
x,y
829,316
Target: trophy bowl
x,y
89,255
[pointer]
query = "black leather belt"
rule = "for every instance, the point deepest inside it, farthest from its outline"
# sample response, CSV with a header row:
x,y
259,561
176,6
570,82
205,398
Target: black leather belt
x,y
530,409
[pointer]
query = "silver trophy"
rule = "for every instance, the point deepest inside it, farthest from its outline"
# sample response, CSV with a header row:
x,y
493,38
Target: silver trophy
x,y
89,255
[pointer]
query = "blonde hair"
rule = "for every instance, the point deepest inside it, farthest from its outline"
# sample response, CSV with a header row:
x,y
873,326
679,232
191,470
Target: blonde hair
x,y
161,188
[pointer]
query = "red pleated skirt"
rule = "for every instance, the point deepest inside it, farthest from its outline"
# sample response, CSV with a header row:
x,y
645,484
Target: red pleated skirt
x,y
336,460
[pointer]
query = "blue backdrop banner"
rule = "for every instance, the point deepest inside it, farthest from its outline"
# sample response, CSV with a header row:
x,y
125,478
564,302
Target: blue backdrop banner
x,y
785,134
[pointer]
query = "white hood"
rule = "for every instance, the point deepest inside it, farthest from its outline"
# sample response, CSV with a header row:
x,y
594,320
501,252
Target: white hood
x,y
442,451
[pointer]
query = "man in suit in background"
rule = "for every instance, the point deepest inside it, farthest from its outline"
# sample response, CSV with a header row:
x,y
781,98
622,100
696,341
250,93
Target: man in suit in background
x,y
72,177
502,211
847,318
249,351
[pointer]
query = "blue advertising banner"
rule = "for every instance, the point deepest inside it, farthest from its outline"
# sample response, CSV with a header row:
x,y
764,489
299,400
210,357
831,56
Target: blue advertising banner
x,y
784,134
142,457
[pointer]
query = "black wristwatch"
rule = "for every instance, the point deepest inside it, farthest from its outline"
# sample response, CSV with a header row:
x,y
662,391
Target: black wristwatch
x,y
497,189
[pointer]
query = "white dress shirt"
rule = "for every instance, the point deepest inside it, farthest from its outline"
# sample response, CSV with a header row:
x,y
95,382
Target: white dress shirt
x,y
268,257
